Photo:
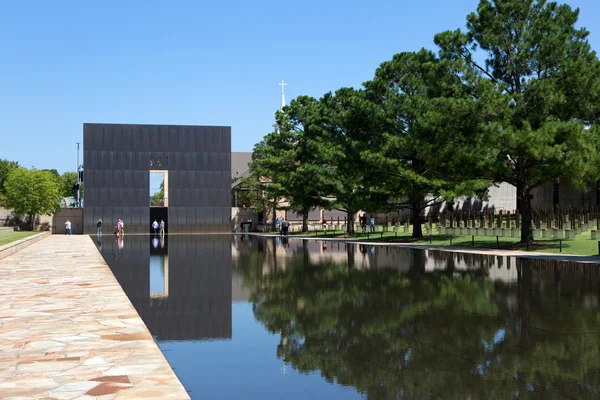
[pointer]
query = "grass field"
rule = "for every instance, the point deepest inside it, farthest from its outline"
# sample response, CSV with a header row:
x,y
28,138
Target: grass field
x,y
10,236
582,245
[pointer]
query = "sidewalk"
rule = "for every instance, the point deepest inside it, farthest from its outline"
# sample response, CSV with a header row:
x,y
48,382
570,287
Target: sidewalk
x,y
67,329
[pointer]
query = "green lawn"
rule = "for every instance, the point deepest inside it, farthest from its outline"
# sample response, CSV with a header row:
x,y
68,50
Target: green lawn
x,y
10,236
582,245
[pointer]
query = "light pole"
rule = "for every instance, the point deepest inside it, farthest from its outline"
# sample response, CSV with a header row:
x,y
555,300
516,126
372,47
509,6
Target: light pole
x,y
78,177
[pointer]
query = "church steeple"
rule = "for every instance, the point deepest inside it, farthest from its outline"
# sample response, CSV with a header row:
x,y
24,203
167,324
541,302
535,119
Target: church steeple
x,y
283,85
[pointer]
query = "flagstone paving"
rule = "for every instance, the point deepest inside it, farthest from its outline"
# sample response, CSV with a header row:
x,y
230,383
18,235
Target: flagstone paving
x,y
68,331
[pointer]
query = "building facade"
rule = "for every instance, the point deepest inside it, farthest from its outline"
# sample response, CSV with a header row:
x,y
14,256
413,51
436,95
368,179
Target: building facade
x,y
139,173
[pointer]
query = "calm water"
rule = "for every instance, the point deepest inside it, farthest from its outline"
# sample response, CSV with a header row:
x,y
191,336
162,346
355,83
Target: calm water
x,y
254,318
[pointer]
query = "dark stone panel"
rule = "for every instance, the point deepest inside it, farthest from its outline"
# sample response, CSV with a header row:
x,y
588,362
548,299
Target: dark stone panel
x,y
163,138
126,139
117,164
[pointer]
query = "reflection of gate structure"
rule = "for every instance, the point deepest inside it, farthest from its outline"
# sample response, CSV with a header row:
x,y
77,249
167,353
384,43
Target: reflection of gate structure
x,y
191,300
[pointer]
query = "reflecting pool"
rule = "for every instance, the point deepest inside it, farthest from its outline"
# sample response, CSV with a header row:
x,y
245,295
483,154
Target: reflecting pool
x,y
243,317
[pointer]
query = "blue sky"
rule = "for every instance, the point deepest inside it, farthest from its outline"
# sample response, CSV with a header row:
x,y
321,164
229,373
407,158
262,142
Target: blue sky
x,y
64,63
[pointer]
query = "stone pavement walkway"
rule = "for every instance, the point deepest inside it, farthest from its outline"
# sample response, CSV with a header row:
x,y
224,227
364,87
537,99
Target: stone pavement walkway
x,y
68,331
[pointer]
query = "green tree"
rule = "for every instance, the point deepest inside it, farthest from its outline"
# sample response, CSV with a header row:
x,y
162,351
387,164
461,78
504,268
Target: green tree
x,y
68,179
351,130
32,192
294,160
158,198
423,104
5,167
261,193
543,80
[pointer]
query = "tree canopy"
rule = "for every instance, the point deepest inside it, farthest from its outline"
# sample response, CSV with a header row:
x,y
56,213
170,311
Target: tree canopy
x,y
67,180
429,121
5,167
515,98
349,133
543,80
294,160
32,192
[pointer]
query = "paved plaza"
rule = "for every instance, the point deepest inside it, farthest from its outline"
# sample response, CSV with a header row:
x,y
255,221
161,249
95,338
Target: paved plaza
x,y
68,331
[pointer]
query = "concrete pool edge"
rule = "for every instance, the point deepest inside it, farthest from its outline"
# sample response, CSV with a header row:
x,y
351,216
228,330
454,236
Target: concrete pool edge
x,y
453,249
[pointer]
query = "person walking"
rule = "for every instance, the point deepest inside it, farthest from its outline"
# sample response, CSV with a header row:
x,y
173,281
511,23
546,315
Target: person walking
x,y
68,228
155,227
372,224
162,227
99,226
285,226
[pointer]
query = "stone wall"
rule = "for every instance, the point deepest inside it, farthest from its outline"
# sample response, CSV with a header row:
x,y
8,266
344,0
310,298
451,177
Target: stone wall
x,y
75,215
6,215
543,196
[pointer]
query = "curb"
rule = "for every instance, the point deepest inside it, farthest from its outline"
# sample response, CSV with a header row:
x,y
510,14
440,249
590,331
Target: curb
x,y
455,249
13,247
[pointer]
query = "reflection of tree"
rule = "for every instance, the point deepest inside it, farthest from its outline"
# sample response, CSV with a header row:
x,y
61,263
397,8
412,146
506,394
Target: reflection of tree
x,y
417,335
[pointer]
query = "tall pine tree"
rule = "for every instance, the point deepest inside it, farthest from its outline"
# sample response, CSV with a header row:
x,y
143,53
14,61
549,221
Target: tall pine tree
x,y
536,67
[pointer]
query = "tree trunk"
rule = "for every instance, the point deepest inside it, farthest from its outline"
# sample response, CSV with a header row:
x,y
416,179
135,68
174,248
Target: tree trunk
x,y
305,220
305,257
350,223
273,225
274,244
524,201
415,218
32,221
350,252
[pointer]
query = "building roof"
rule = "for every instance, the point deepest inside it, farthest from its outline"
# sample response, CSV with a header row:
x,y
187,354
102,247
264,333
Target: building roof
x,y
239,166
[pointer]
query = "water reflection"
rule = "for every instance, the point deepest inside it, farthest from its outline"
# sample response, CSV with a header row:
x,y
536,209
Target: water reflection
x,y
159,267
309,319
180,288
398,323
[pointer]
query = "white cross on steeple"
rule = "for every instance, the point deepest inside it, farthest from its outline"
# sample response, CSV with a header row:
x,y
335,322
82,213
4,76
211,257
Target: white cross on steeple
x,y
283,85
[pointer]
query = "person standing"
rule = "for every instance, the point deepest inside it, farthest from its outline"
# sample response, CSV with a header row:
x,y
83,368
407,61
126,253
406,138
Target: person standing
x,y
285,226
68,228
162,227
277,222
372,224
99,226
155,227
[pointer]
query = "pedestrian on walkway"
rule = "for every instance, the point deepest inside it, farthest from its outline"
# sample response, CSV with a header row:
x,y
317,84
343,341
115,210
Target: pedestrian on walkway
x,y
68,228
285,226
99,226
155,227
162,227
